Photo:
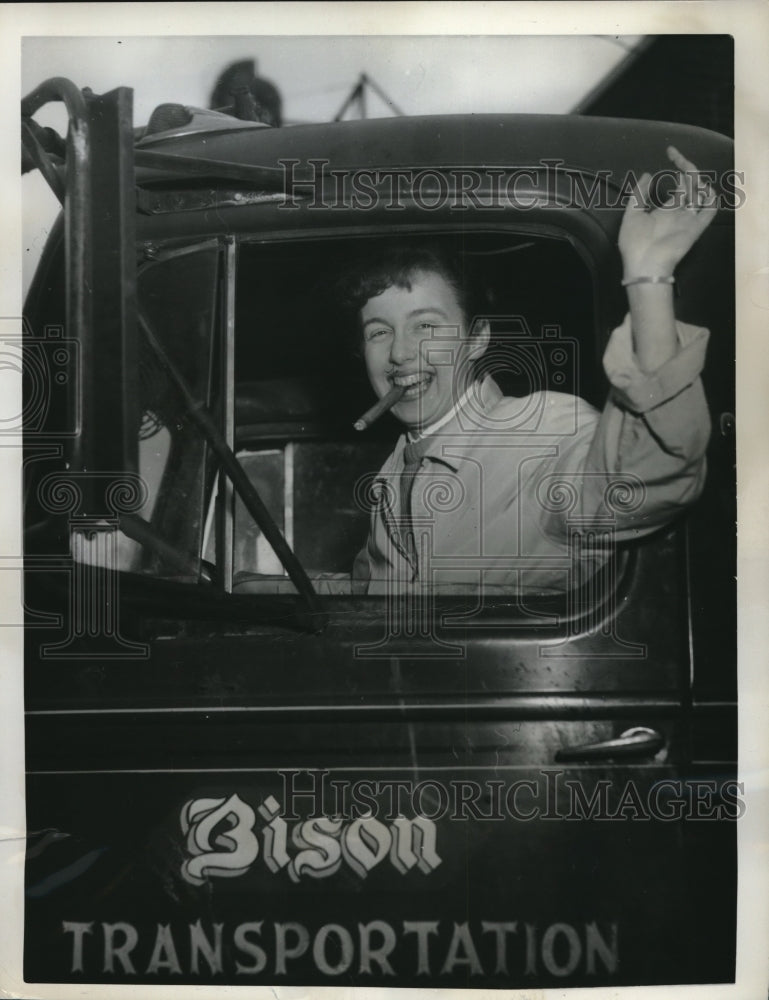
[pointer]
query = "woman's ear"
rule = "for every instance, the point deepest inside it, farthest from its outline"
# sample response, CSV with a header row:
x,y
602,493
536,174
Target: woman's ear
x,y
479,338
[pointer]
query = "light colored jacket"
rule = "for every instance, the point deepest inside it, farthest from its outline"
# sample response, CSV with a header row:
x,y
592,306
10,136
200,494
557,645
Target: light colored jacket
x,y
531,493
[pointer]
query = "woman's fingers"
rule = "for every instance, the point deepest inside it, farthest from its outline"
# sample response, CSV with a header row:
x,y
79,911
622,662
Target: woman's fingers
x,y
641,193
653,240
684,189
696,193
680,160
708,209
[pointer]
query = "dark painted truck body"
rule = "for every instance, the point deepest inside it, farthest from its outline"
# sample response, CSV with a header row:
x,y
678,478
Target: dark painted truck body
x,y
238,770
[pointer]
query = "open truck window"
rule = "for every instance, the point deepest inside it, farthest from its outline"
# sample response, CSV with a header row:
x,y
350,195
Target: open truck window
x,y
300,380
284,380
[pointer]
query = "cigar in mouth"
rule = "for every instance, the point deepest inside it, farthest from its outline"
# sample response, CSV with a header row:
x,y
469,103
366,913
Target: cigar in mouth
x,y
380,407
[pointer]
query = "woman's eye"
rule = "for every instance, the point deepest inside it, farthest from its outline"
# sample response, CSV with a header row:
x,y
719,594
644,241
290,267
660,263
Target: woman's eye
x,y
426,326
376,333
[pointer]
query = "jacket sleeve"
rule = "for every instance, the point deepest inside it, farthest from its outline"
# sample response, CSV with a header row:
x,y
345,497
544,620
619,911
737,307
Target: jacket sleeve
x,y
642,460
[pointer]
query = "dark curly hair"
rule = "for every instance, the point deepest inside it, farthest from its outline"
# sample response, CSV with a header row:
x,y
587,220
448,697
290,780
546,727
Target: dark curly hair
x,y
396,264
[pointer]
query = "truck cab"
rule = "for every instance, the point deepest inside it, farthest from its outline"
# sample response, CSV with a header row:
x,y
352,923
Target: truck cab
x,y
240,768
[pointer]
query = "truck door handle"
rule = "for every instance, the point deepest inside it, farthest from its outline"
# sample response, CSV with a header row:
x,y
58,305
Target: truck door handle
x,y
636,742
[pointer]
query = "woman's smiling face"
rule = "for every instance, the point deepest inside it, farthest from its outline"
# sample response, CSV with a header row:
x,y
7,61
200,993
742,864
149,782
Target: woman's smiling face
x,y
417,337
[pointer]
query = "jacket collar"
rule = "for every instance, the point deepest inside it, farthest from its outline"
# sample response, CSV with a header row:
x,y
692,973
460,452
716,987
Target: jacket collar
x,y
484,395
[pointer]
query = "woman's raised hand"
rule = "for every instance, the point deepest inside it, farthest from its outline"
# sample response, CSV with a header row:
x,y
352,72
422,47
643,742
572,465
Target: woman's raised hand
x,y
653,240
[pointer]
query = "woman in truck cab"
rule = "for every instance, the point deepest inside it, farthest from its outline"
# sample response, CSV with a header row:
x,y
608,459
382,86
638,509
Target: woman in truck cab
x,y
529,494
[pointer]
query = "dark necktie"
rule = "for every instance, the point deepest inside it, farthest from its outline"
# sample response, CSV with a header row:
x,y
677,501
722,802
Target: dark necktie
x,y
412,460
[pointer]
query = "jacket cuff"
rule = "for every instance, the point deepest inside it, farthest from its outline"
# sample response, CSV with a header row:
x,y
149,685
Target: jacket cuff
x,y
641,391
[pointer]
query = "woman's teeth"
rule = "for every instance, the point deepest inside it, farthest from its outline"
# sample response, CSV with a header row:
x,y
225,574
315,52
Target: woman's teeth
x,y
413,384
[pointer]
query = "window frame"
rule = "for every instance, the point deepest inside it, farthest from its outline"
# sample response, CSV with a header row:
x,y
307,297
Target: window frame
x,y
567,608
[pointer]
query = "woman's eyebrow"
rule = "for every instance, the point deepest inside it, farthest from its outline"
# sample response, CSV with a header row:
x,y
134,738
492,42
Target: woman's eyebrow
x,y
430,309
422,311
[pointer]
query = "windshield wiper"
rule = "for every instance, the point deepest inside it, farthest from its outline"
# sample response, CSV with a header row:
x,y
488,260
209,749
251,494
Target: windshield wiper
x,y
198,413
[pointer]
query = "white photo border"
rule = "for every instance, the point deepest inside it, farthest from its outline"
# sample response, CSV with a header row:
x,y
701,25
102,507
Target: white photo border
x,y
748,22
